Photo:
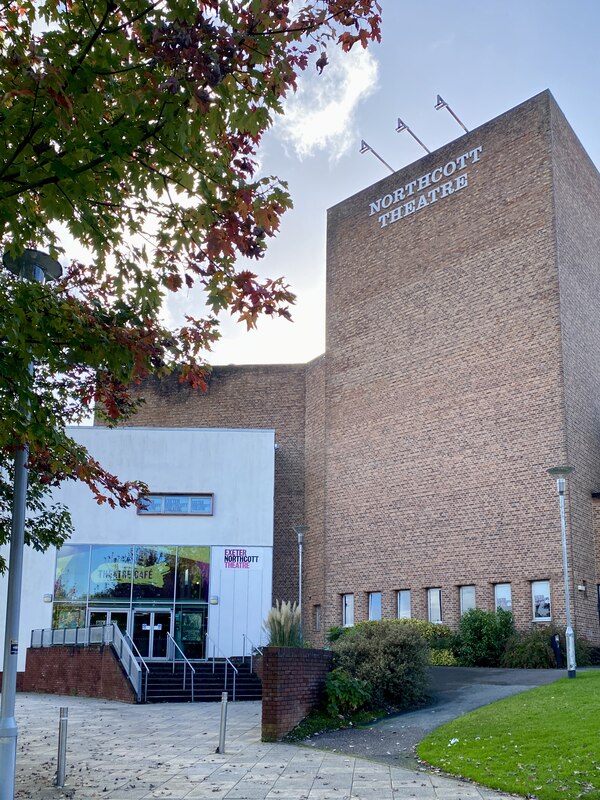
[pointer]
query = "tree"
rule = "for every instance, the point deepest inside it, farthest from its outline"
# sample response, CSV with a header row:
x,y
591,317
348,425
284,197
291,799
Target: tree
x,y
132,127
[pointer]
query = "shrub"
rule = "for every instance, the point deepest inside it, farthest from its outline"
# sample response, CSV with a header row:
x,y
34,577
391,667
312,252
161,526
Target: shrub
x,y
333,634
283,624
482,637
442,658
532,649
440,639
392,657
346,694
437,636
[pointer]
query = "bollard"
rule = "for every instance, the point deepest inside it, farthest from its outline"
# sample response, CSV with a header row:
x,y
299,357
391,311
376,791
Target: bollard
x,y
62,747
221,747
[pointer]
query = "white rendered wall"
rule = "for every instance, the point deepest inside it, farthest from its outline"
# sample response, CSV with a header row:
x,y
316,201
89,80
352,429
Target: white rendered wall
x,y
237,466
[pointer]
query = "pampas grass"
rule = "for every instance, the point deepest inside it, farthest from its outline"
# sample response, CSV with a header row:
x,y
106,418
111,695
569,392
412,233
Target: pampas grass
x,y
283,624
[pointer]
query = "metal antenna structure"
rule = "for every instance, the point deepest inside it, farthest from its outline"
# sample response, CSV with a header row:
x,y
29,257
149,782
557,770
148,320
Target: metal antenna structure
x,y
441,103
366,148
402,126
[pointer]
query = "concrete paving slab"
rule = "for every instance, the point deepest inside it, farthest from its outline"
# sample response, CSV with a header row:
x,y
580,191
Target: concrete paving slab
x,y
167,752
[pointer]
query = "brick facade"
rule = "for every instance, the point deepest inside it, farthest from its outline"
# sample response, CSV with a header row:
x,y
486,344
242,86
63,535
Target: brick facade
x,y
92,671
270,396
293,682
462,360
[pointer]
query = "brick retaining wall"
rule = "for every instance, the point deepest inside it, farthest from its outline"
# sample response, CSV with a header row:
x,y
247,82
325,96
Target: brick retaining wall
x,y
293,680
92,671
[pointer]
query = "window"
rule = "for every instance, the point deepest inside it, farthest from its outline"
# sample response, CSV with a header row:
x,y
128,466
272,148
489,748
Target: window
x,y
404,604
467,599
434,605
176,504
540,596
503,596
347,610
317,618
374,605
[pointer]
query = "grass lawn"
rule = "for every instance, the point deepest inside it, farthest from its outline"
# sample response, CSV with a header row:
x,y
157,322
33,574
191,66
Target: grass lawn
x,y
544,742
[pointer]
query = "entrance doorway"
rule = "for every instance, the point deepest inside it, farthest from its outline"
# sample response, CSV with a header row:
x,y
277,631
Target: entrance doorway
x,y
106,616
150,629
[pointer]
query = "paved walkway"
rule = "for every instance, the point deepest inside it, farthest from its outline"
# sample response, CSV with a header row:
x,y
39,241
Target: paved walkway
x,y
124,752
453,691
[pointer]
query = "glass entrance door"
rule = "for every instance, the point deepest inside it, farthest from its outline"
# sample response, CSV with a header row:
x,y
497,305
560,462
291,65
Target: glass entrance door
x,y
105,616
190,631
150,629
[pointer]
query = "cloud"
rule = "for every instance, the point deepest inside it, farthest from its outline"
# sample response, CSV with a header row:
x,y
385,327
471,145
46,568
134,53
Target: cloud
x,y
320,116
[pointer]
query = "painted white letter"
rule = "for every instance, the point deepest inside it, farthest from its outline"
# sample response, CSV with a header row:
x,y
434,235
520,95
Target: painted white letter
x,y
447,188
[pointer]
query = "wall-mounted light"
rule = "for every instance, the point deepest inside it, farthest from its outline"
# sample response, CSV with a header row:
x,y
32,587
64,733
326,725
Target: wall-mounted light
x,y
213,600
402,126
47,598
366,148
441,103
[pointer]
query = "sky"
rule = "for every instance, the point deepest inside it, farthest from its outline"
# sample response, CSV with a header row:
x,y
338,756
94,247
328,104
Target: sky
x,y
482,56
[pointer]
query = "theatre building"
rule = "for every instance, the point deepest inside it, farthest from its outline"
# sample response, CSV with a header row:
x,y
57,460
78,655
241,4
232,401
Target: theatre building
x,y
462,361
194,562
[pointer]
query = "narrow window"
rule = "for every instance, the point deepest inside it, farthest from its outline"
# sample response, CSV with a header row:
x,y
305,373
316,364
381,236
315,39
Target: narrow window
x,y
467,599
347,610
540,597
404,604
317,618
503,596
434,604
374,605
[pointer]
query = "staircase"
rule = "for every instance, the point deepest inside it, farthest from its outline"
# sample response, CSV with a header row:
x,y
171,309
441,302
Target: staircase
x,y
166,686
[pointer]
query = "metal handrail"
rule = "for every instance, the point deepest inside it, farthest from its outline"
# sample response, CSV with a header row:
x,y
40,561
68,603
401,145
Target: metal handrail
x,y
253,648
140,659
95,634
227,662
173,644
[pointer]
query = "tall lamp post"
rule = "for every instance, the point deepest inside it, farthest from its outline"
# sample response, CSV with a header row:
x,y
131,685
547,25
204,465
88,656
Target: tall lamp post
x,y
36,266
560,474
300,530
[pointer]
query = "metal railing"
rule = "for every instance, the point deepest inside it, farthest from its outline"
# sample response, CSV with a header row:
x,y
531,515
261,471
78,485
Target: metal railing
x,y
253,649
129,641
216,649
172,647
96,634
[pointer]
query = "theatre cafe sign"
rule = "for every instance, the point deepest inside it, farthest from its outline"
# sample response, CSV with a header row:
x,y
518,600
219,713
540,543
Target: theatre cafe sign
x,y
424,191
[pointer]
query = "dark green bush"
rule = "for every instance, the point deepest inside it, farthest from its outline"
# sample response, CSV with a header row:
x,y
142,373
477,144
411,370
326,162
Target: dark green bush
x,y
345,693
532,649
333,634
392,657
482,637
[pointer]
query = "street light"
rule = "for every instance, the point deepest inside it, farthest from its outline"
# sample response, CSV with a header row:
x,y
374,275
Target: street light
x,y
561,473
300,530
36,266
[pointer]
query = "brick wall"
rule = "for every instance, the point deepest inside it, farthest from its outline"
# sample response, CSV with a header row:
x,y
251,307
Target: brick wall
x,y
92,671
444,396
270,396
314,566
463,344
293,681
577,213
